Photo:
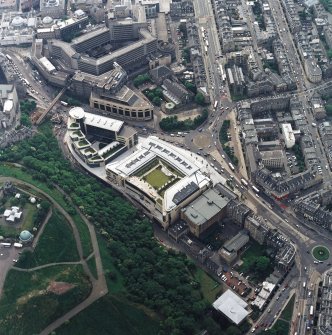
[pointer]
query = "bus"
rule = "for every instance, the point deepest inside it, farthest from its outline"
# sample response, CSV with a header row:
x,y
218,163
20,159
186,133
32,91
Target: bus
x,y
244,182
255,189
9,58
6,245
206,50
311,310
207,43
18,245
215,105
64,103
27,82
231,166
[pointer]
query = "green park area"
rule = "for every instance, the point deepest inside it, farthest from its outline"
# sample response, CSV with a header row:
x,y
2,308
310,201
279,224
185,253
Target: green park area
x,y
321,253
52,247
256,263
32,300
171,123
210,288
156,178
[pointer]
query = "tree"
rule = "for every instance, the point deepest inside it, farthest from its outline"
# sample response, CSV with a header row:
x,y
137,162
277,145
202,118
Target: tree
x,y
25,120
190,86
262,264
199,99
156,101
232,330
328,109
329,53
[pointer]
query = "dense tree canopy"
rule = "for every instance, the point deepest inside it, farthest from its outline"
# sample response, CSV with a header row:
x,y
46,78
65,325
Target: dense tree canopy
x,y
158,279
171,123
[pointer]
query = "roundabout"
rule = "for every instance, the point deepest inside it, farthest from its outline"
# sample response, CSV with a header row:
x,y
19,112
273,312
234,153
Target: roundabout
x,y
320,253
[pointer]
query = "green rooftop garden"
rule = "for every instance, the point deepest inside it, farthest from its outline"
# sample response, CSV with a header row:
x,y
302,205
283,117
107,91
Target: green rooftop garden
x,y
112,151
83,142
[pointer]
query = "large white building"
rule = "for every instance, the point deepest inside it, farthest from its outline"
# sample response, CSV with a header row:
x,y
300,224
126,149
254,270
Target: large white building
x,y
232,306
156,159
288,135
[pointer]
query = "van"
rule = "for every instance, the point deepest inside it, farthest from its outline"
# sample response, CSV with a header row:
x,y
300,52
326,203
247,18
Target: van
x,y
172,135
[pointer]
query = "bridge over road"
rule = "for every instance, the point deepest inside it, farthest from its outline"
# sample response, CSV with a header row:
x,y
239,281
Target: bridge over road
x,y
55,100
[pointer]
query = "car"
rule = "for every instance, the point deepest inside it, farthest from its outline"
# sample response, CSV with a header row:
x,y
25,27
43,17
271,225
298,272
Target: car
x,y
15,260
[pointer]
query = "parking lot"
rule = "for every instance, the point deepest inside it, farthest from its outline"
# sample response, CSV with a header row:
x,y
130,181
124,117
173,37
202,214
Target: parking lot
x,y
7,255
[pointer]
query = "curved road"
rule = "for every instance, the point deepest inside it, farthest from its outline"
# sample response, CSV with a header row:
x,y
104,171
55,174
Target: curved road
x,y
99,286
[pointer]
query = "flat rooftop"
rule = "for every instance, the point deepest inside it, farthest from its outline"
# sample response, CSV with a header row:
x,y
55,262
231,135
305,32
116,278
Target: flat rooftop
x,y
103,122
205,207
232,306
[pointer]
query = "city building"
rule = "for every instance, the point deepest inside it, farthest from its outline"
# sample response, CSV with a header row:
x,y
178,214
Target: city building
x,y
205,211
273,159
318,108
264,294
17,28
311,207
232,306
257,230
288,135
324,323
160,178
313,71
280,187
98,139
9,107
53,8
229,251
62,29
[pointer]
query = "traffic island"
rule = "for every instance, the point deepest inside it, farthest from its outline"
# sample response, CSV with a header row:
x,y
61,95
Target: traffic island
x,y
320,253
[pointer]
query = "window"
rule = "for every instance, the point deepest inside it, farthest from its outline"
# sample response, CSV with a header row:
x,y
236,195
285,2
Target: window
x,y
134,114
96,105
140,114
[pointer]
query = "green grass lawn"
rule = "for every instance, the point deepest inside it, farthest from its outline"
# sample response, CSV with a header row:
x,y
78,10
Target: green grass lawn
x,y
321,253
110,315
83,230
92,266
157,178
28,213
56,244
115,281
209,287
26,307
288,310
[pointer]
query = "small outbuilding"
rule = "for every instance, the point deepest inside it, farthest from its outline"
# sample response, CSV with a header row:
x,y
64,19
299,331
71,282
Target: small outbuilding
x,y
25,237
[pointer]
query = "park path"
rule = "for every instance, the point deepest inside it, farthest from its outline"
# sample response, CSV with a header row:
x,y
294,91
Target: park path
x,y
39,267
99,285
